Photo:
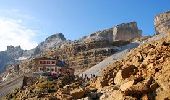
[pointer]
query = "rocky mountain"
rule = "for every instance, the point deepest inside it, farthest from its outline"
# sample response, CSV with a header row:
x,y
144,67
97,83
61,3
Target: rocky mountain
x,y
142,73
92,49
79,55
10,55
123,31
14,55
162,23
99,45
53,41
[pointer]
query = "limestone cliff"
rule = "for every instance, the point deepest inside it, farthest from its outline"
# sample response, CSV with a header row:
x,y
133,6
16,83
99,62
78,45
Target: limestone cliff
x,y
162,23
124,31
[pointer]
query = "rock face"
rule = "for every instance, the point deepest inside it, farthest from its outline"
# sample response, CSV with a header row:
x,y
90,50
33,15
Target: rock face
x,y
83,55
94,48
53,41
85,52
10,55
162,23
77,93
124,31
14,54
143,73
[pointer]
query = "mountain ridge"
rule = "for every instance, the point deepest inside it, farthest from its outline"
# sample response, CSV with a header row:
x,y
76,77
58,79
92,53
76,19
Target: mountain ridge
x,y
57,40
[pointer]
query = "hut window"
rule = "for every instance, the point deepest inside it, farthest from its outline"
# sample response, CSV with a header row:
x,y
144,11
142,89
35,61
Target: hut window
x,y
44,62
53,62
41,62
48,62
41,69
52,69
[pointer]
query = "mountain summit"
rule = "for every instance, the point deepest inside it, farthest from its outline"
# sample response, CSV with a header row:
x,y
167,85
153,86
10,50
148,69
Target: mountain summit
x,y
53,41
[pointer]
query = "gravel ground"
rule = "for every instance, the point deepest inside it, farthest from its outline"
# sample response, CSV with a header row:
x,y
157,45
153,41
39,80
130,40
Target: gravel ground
x,y
95,70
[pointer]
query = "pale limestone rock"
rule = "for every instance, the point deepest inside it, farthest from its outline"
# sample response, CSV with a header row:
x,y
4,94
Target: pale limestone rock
x,y
126,85
162,23
118,79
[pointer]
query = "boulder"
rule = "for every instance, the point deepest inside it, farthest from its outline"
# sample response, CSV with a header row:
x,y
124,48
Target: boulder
x,y
118,78
145,97
137,90
129,70
115,95
64,97
77,93
126,85
86,98
99,83
121,75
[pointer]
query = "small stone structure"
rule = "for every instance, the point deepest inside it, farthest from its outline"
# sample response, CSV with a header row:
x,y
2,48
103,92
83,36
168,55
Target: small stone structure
x,y
162,23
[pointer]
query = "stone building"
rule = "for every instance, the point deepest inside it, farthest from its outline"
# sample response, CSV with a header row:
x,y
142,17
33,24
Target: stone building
x,y
52,66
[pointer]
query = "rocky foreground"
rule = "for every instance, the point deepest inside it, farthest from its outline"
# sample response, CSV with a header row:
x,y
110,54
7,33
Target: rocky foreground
x,y
143,74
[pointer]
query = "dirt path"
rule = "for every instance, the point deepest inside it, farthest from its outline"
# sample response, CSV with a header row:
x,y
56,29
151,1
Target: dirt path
x,y
11,85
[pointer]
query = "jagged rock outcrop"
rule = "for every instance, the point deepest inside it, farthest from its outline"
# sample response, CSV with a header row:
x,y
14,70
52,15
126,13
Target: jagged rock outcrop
x,y
10,55
13,55
162,23
124,31
53,41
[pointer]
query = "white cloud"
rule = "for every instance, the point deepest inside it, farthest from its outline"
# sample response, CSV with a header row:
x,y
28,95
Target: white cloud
x,y
14,32
15,29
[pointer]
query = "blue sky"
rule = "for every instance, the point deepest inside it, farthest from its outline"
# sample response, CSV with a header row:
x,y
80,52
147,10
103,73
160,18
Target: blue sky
x,y
31,21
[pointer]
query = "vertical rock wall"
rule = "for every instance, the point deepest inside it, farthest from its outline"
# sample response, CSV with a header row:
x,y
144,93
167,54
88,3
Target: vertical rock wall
x,y
126,31
162,23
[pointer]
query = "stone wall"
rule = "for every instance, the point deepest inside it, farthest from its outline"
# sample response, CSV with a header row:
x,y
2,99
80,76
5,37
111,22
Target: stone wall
x,y
162,23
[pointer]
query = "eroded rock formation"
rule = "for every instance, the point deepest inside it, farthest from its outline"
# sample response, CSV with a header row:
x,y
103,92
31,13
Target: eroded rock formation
x,y
162,23
124,31
83,55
